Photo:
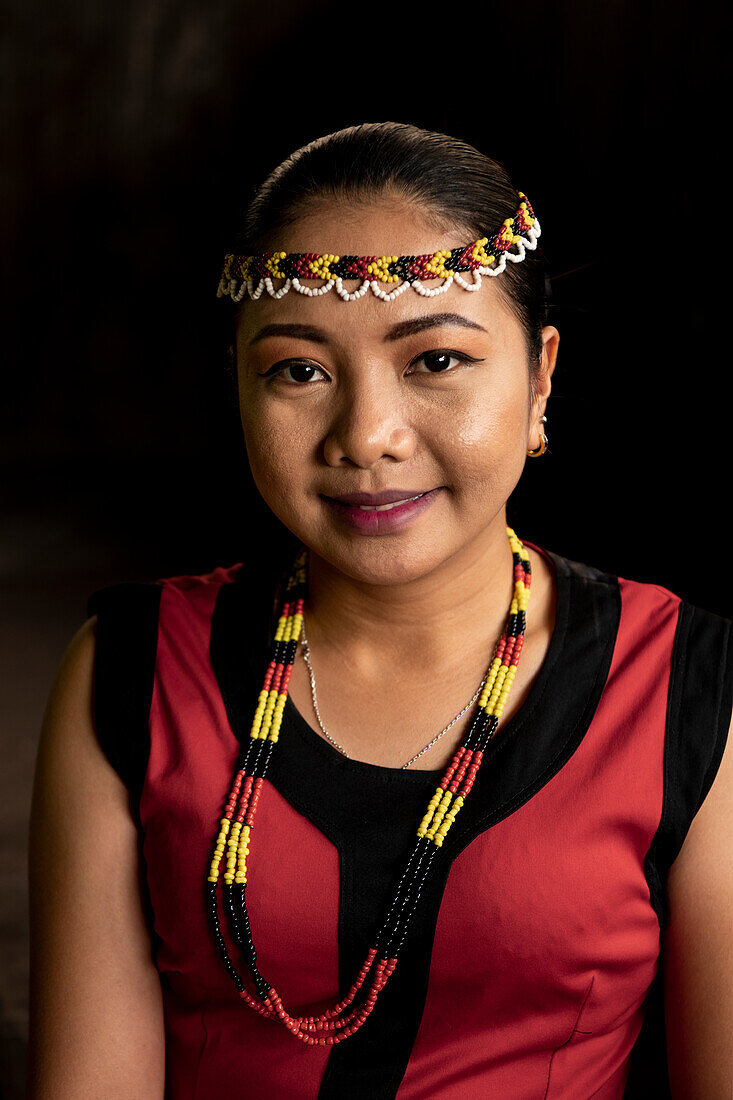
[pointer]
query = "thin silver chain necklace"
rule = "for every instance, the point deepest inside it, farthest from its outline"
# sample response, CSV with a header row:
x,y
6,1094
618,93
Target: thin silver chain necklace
x,y
306,655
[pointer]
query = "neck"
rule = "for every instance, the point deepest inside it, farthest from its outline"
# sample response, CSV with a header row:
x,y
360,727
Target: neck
x,y
428,622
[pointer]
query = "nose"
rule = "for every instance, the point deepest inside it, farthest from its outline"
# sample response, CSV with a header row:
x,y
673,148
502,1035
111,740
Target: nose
x,y
369,424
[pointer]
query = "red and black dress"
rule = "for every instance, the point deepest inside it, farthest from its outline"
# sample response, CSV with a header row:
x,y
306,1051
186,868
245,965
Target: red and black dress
x,y
532,965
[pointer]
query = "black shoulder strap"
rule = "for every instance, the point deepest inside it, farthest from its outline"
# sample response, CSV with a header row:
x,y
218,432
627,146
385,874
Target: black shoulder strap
x,y
124,670
699,707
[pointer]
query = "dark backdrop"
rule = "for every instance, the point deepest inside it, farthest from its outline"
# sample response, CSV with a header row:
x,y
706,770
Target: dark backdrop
x,y
132,136
135,133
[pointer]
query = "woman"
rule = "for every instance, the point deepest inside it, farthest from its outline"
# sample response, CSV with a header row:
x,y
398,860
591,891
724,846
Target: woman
x,y
471,874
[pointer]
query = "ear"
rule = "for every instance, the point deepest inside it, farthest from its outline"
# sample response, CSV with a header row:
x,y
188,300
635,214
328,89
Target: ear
x,y
548,359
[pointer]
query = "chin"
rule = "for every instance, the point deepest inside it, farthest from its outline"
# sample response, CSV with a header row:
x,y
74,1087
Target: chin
x,y
382,561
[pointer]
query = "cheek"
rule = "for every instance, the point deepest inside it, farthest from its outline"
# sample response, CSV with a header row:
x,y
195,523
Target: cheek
x,y
483,439
278,450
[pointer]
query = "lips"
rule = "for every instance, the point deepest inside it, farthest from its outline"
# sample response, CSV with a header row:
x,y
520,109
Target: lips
x,y
386,517
378,500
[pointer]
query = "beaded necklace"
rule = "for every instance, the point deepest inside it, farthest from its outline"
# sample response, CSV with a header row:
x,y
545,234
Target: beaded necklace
x,y
347,1015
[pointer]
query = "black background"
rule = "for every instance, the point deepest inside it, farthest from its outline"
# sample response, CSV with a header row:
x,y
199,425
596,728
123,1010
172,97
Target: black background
x,y
134,136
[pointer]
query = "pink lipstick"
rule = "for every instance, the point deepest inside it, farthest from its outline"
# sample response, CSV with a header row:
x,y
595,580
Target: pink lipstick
x,y
381,513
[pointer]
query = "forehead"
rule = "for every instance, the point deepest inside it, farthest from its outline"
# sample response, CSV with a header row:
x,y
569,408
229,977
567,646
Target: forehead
x,y
350,226
391,227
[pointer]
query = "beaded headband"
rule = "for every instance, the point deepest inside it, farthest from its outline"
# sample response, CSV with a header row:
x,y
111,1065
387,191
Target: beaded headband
x,y
488,256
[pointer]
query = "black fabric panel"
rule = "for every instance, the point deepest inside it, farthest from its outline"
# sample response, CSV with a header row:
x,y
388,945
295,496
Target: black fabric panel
x,y
699,708
698,717
527,752
124,671
349,801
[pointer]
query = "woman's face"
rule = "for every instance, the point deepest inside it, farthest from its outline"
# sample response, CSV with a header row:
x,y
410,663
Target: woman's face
x,y
418,395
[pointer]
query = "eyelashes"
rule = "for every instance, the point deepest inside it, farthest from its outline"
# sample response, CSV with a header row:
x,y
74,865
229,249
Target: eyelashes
x,y
434,361
290,364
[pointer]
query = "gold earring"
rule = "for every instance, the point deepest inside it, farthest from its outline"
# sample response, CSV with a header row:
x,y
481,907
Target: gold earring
x,y
543,442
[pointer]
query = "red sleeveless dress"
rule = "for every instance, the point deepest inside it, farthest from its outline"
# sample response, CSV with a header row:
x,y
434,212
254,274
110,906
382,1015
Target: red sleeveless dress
x,y
532,967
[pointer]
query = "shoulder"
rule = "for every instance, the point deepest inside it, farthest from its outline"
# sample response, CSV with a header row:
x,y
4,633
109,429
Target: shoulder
x,y
698,938
658,637
192,582
568,569
187,586
631,588
695,646
596,605
129,613
606,585
71,687
636,594
129,619
68,757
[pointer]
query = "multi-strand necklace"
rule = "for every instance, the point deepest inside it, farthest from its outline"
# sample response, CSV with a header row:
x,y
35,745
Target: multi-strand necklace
x,y
347,1015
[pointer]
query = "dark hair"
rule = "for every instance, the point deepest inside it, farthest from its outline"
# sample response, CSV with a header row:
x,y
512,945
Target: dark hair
x,y
452,180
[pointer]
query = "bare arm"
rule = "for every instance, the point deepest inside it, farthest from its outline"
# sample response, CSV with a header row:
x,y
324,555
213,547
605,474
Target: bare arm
x,y
698,972
96,1013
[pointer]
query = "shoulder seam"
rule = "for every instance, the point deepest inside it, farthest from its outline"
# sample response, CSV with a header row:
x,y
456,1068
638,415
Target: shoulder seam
x,y
588,574
662,589
221,575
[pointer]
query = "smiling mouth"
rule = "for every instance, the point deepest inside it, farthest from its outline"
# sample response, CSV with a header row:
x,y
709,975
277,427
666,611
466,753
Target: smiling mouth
x,y
384,507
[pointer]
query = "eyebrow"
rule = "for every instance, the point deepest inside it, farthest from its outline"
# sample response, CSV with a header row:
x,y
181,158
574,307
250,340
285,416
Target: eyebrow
x,y
397,332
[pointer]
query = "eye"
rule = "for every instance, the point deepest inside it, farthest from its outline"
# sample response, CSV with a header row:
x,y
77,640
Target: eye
x,y
439,362
301,371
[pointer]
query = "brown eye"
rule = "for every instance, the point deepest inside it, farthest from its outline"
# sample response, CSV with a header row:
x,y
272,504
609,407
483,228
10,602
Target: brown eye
x,y
300,371
439,362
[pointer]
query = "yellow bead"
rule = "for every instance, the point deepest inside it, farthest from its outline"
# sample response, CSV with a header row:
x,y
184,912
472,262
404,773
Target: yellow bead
x,y
440,814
